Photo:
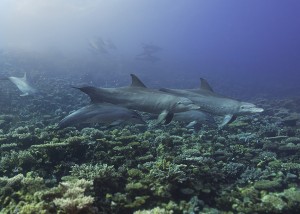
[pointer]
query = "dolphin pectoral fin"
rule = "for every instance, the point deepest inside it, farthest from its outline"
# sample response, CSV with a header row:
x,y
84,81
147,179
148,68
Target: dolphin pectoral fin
x,y
161,117
169,118
229,118
25,94
232,119
165,116
191,124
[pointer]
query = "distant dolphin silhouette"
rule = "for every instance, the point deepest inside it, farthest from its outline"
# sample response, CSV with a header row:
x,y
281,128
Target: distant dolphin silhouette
x,y
23,85
147,57
150,48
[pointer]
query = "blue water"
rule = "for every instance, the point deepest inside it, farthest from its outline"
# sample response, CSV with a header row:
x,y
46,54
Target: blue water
x,y
244,48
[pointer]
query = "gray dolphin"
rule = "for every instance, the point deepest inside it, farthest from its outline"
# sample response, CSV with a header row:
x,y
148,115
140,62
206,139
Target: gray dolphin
x,y
215,104
138,97
97,46
147,57
109,44
194,117
23,85
150,48
104,113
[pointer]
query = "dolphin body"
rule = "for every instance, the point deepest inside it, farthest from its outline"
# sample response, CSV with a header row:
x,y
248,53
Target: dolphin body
x,y
101,46
150,48
138,97
97,46
215,104
101,113
194,118
147,57
23,85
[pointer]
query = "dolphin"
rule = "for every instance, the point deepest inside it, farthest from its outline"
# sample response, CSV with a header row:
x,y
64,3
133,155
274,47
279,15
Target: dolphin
x,y
147,57
23,85
97,46
150,48
101,113
194,117
109,44
138,97
215,104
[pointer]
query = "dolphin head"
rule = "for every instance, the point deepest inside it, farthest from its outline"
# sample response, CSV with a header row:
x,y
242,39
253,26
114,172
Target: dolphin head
x,y
248,108
185,104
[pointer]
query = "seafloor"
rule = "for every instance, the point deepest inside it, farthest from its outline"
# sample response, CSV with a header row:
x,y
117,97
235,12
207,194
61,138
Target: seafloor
x,y
250,166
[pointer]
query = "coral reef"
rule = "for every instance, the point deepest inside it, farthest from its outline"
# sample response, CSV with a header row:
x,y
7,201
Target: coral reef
x,y
249,166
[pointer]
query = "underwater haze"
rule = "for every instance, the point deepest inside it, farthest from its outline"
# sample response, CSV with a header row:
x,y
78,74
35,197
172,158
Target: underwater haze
x,y
149,106
247,46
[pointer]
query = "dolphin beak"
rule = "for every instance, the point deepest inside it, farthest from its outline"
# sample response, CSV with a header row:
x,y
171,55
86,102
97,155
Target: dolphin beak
x,y
258,110
194,107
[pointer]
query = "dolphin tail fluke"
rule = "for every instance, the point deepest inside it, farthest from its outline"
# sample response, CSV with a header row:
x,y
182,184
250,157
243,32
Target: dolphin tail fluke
x,y
92,92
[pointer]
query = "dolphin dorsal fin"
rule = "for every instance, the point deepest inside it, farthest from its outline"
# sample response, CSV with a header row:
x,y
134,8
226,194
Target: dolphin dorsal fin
x,y
25,76
205,86
93,92
136,82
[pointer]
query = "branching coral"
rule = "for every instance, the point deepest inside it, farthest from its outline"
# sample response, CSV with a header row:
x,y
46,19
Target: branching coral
x,y
74,199
90,171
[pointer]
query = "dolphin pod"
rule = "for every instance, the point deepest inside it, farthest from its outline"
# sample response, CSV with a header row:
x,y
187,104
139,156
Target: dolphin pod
x,y
117,105
188,105
138,97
